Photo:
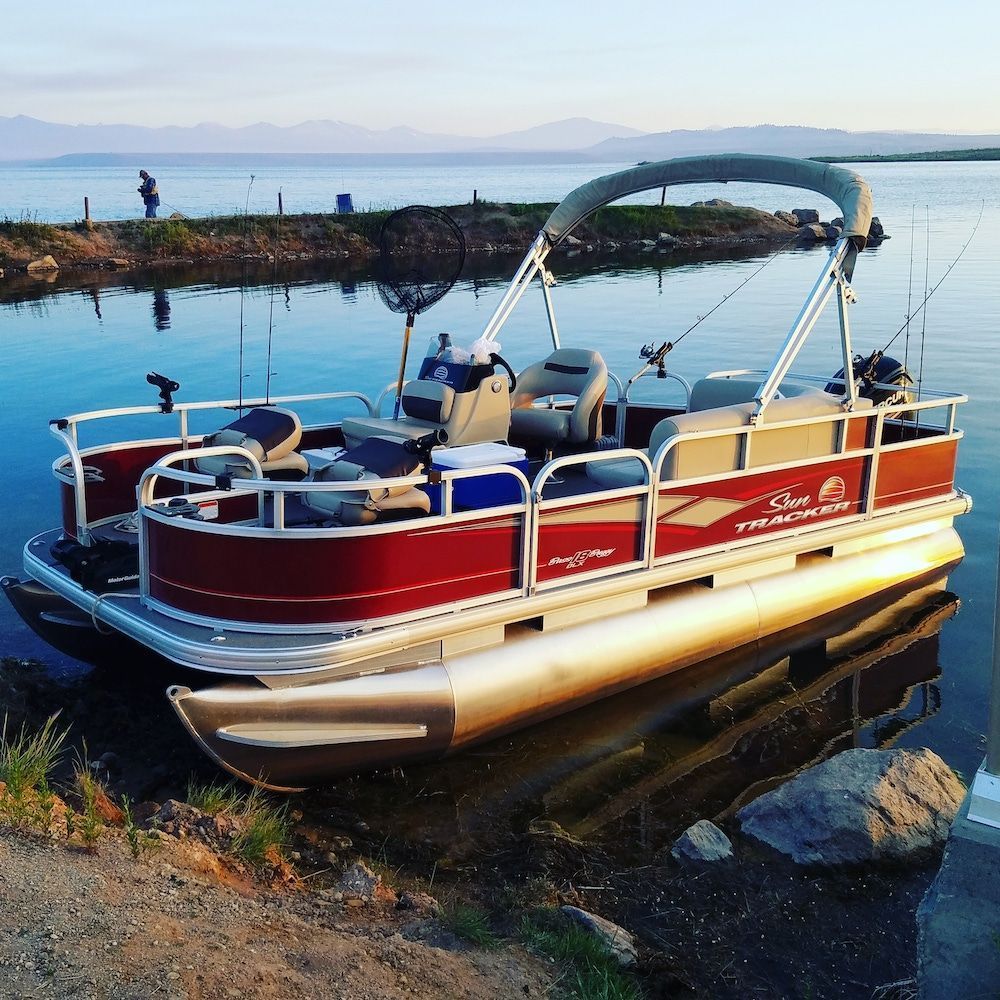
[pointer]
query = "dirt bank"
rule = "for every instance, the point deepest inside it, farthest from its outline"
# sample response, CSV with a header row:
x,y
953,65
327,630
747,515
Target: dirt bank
x,y
488,227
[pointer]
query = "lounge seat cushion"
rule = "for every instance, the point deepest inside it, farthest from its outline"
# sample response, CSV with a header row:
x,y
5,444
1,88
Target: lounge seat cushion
x,y
270,434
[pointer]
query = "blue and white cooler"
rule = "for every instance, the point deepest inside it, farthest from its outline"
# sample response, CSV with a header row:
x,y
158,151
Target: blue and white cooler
x,y
477,492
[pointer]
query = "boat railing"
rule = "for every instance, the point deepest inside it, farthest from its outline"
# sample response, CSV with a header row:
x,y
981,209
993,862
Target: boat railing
x,y
66,430
621,405
548,496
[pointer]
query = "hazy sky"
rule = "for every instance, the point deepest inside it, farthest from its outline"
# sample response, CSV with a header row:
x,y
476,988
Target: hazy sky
x,y
479,68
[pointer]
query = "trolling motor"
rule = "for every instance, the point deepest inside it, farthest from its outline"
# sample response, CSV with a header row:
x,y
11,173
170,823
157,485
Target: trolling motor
x,y
167,387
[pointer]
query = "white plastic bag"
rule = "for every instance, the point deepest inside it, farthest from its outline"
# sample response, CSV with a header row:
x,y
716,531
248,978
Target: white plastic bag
x,y
481,350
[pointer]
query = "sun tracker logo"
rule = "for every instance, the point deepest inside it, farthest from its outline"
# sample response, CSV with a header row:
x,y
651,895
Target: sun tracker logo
x,y
441,373
832,491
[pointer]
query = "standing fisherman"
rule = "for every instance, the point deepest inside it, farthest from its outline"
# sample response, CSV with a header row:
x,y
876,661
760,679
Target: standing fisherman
x,y
150,195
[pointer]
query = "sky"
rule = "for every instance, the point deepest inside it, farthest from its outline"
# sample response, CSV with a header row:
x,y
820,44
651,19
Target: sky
x,y
480,68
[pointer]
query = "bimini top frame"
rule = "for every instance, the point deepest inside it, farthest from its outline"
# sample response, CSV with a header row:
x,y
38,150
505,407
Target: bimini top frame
x,y
844,187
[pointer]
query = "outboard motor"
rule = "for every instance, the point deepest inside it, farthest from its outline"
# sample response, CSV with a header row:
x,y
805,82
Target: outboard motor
x,y
886,372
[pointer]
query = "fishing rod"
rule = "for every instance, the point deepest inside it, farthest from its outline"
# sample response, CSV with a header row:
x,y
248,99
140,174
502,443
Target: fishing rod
x,y
871,363
656,356
243,283
270,315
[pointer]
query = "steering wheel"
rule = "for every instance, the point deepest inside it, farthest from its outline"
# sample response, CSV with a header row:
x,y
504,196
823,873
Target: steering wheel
x,y
495,360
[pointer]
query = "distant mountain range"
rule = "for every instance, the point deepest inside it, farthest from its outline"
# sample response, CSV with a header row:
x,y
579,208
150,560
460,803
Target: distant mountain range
x,y
29,139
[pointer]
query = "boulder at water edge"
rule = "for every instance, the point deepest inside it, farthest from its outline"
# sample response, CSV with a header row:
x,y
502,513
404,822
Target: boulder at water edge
x,y
618,942
46,263
805,215
703,841
862,805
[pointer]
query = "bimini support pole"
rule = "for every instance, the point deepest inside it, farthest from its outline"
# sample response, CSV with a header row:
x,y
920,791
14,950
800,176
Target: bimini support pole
x,y
528,268
548,280
834,275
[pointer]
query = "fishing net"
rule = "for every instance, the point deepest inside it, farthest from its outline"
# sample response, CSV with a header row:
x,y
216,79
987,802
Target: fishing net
x,y
421,253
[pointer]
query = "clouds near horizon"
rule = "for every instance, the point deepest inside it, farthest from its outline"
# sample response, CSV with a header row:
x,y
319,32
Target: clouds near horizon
x,y
477,70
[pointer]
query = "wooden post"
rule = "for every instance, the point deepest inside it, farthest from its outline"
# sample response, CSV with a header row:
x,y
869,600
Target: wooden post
x,y
86,213
281,207
475,196
663,196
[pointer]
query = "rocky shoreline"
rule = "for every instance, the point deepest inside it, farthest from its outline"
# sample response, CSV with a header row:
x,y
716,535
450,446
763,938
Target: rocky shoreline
x,y
167,892
41,248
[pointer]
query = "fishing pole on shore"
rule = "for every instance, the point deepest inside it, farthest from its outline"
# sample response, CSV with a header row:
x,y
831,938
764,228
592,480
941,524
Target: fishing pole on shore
x,y
243,283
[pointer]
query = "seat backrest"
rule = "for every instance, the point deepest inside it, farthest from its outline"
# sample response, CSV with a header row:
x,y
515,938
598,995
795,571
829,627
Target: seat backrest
x,y
269,433
568,371
714,455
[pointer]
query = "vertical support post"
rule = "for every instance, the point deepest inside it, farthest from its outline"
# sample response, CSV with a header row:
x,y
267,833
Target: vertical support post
x,y
86,209
663,196
475,195
281,207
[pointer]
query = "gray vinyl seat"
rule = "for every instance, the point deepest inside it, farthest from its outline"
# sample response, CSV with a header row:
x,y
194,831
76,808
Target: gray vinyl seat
x,y
375,458
715,406
269,433
481,413
567,371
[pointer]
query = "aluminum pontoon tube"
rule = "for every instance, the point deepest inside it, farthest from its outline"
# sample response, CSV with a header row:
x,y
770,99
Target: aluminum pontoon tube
x,y
293,737
498,690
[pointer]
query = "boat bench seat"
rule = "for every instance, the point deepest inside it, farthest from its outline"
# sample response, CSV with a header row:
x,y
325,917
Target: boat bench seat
x,y
270,434
375,458
693,457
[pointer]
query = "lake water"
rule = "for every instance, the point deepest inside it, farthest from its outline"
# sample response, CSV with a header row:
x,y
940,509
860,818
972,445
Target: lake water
x,y
85,341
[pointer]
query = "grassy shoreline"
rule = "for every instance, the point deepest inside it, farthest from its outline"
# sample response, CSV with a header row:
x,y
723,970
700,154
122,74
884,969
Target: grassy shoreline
x,y
934,156
488,227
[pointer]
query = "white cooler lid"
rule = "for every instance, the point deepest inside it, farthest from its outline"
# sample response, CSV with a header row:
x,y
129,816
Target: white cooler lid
x,y
471,456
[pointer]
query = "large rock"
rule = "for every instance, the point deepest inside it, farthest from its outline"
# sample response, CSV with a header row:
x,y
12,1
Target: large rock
x,y
875,230
860,806
786,217
813,231
805,215
46,263
616,939
359,882
703,841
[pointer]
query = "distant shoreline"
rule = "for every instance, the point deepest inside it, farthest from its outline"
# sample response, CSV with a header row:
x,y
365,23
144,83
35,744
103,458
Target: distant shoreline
x,y
943,155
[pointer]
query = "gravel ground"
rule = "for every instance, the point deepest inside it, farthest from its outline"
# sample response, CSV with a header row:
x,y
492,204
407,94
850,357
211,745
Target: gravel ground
x,y
175,924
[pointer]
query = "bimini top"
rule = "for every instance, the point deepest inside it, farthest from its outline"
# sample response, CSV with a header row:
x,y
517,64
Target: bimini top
x,y
844,187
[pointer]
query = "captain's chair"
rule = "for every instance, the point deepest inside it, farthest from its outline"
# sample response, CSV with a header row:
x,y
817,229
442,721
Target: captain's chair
x,y
270,434
567,371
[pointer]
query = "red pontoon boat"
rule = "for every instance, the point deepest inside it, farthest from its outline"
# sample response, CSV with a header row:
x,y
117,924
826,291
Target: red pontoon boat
x,y
369,591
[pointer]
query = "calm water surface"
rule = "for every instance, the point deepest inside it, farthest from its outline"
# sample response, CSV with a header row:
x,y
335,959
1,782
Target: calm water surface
x,y
73,347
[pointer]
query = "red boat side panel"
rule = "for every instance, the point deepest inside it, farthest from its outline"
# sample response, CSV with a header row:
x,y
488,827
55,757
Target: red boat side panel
x,y
121,469
309,580
589,536
748,506
927,470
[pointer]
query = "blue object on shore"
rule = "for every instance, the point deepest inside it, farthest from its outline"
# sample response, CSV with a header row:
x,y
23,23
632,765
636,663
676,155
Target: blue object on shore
x,y
344,204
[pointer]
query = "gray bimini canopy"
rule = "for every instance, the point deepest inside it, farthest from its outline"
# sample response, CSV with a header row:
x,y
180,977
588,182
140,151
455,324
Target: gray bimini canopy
x,y
844,187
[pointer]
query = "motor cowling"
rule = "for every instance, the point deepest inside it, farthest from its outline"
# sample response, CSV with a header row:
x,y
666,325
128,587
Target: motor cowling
x,y
883,380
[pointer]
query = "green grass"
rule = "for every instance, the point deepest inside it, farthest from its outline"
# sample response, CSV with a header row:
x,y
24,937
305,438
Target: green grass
x,y
27,230
985,153
138,839
588,970
265,832
470,924
87,823
214,798
28,759
265,827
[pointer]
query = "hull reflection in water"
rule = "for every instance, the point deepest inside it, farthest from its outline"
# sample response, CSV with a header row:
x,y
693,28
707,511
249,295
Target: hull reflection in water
x,y
636,769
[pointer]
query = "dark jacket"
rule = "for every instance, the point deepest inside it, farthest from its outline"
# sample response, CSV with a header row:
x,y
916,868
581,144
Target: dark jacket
x,y
150,195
